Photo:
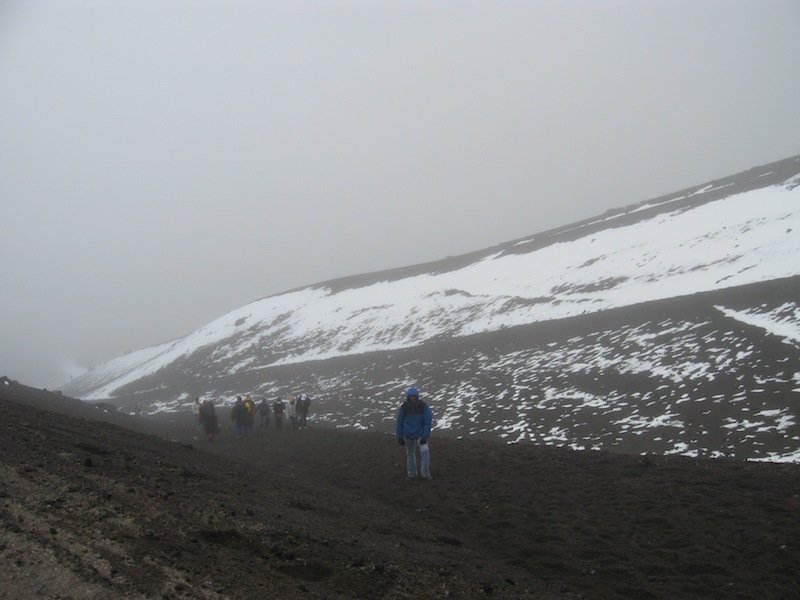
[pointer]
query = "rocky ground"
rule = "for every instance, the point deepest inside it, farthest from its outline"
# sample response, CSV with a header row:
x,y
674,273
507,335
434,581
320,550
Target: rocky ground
x,y
96,504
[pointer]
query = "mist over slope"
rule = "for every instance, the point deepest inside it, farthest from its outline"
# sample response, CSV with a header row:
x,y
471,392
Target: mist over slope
x,y
669,326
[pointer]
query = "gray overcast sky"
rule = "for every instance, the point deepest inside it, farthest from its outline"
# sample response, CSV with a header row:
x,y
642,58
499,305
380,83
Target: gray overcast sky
x,y
163,162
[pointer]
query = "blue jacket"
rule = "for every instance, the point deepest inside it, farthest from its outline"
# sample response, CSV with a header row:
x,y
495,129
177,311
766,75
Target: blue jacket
x,y
414,420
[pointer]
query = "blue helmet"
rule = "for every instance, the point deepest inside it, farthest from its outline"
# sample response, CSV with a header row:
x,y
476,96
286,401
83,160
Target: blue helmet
x,y
412,391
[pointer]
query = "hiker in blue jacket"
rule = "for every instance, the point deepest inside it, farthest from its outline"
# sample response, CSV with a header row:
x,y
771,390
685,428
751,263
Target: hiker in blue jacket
x,y
413,429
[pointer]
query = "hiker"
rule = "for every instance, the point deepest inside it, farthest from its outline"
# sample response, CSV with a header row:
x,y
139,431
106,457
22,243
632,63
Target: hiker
x,y
414,419
303,404
263,411
198,422
240,417
250,412
291,411
278,409
209,417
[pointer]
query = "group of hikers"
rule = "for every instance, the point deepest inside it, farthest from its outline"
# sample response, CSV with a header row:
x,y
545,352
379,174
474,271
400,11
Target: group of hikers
x,y
244,411
412,424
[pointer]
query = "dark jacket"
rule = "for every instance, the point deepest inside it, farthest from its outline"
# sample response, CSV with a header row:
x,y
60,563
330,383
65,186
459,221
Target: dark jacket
x,y
209,416
239,413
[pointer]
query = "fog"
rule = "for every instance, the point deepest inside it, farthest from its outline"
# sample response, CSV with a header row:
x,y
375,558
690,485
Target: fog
x,y
165,162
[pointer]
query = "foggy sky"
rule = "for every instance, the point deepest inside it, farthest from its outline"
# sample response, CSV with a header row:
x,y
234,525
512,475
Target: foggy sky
x,y
163,162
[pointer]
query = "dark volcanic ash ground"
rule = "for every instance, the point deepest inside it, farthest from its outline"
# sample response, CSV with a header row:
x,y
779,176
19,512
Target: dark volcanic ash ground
x,y
96,504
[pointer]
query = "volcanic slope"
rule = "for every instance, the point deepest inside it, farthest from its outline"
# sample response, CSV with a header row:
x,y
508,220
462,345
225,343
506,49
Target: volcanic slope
x,y
671,326
92,509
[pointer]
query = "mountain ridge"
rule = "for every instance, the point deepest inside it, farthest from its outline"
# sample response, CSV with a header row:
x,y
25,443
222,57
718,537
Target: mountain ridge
x,y
728,234
770,174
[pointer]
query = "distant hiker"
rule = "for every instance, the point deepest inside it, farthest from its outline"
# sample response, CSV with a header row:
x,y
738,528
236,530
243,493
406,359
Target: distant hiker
x,y
240,417
263,411
198,422
291,411
209,418
278,409
414,419
303,404
250,410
